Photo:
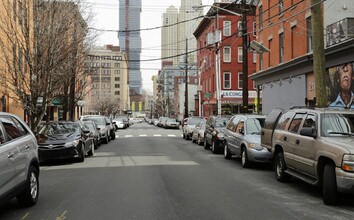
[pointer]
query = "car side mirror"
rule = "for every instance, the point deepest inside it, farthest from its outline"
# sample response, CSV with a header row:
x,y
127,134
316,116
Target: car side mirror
x,y
309,132
241,131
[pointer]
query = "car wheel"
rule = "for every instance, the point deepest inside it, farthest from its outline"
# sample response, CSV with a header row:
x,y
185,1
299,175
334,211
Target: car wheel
x,y
92,151
113,136
244,158
213,147
206,145
330,193
81,154
198,141
227,153
184,136
29,196
106,140
280,168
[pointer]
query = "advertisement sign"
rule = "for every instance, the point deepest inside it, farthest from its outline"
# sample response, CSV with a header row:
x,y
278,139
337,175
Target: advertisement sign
x,y
237,94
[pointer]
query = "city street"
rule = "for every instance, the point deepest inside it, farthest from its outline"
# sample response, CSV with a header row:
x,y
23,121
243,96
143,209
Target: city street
x,y
153,173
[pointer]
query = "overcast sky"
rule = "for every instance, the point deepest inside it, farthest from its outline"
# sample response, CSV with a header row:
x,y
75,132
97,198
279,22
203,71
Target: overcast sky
x,y
106,16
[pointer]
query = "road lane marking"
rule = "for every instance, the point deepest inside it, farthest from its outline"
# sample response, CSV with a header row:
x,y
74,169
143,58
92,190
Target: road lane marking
x,y
157,135
142,135
171,135
128,135
25,216
122,161
62,216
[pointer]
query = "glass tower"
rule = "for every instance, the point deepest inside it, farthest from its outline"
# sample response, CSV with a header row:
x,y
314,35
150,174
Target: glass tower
x,y
130,41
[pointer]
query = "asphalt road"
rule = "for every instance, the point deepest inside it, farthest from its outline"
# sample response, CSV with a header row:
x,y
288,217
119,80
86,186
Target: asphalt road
x,y
152,173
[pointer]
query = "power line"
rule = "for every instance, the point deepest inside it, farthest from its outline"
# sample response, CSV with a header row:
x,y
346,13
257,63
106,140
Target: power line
x,y
145,29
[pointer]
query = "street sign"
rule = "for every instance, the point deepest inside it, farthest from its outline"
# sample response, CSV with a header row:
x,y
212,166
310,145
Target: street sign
x,y
207,95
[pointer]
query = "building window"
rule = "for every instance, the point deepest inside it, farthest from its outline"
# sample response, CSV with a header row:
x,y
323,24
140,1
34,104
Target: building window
x,y
240,80
227,28
116,78
227,54
117,86
281,7
254,28
281,48
292,42
260,9
254,57
309,34
117,72
269,53
117,65
260,61
240,55
227,80
239,28
117,92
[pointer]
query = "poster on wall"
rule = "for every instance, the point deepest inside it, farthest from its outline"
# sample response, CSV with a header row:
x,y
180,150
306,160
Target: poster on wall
x,y
341,86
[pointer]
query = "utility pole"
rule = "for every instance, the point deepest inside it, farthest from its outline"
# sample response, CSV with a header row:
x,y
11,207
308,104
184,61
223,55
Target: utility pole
x,y
244,59
318,53
186,83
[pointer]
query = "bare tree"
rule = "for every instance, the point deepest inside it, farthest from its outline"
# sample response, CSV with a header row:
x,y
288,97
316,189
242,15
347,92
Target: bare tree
x,y
40,53
107,107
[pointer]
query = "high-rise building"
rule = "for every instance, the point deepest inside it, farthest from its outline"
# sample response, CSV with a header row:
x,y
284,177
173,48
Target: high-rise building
x,y
169,35
179,26
188,13
130,41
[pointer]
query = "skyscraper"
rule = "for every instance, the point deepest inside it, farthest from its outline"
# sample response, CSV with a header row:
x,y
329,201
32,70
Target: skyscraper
x,y
177,30
130,41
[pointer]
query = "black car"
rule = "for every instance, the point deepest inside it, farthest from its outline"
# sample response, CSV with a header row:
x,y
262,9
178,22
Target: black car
x,y
95,132
63,140
214,135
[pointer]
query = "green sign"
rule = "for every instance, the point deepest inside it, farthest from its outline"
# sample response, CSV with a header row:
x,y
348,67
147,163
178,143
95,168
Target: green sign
x,y
207,95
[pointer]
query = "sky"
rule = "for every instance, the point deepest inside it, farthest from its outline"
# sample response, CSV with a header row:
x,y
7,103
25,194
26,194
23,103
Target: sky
x,y
106,16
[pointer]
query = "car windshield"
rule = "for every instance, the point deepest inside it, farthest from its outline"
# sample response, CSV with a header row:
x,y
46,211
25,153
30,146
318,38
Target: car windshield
x,y
59,128
90,125
220,123
335,124
193,121
171,120
253,125
97,120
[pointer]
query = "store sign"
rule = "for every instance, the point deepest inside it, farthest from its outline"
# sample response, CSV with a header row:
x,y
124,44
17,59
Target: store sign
x,y
237,94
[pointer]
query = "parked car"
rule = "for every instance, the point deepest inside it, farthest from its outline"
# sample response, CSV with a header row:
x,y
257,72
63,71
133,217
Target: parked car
x,y
102,124
171,123
214,133
243,139
95,130
122,121
160,121
112,128
19,163
188,126
63,140
198,132
313,145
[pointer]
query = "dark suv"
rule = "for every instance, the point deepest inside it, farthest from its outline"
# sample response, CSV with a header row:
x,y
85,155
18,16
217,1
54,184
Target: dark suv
x,y
214,133
19,164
